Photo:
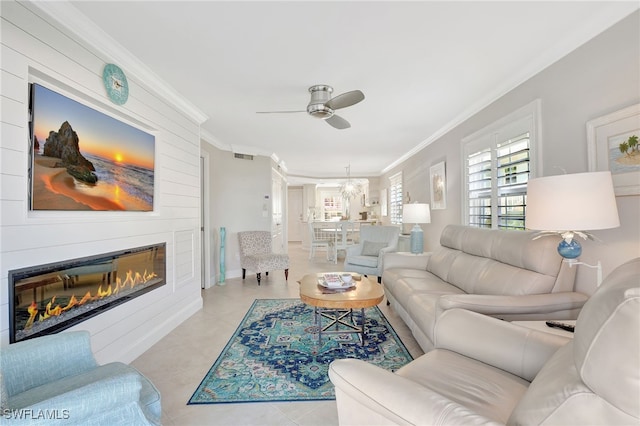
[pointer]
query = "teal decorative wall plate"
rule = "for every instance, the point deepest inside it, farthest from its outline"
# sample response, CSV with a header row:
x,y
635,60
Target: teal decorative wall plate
x,y
116,84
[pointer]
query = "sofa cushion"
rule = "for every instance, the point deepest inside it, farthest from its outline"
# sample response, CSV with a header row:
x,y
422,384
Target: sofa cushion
x,y
517,249
372,248
477,275
485,261
483,389
404,288
390,276
369,261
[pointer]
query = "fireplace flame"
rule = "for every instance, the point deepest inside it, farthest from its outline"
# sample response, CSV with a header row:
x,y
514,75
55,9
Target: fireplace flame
x,y
72,302
33,311
57,310
52,309
106,293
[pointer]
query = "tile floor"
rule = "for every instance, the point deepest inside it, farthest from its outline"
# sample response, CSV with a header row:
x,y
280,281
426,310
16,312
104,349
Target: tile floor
x,y
177,363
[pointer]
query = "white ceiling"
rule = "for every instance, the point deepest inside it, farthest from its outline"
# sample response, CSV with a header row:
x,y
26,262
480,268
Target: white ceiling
x,y
423,67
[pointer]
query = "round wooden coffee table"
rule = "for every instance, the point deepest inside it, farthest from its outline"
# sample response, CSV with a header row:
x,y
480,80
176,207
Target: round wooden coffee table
x,y
337,305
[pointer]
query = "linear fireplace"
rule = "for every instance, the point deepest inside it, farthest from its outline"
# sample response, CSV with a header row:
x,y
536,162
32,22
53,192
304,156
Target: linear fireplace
x,y
50,298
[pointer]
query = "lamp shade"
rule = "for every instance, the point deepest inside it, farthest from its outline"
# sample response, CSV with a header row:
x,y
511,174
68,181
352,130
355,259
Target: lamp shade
x,y
416,213
572,202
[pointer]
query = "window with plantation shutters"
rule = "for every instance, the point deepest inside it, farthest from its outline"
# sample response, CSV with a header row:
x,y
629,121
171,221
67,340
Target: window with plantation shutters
x,y
498,163
395,198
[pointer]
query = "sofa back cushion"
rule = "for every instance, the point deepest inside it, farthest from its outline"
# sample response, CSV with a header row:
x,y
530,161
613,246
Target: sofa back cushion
x,y
491,261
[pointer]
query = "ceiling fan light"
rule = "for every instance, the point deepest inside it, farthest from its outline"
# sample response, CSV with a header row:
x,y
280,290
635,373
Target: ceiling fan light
x,y
320,111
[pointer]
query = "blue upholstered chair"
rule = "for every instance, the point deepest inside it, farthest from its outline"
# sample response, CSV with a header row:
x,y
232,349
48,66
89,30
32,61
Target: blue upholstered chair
x,y
366,257
56,380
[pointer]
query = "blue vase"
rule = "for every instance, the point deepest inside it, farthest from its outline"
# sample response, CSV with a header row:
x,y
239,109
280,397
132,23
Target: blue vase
x,y
223,234
569,250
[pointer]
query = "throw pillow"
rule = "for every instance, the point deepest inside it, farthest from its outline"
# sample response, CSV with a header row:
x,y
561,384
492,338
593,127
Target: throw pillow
x,y
370,248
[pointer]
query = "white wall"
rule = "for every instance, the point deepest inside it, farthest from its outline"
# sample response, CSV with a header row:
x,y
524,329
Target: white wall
x,y
596,79
34,45
238,189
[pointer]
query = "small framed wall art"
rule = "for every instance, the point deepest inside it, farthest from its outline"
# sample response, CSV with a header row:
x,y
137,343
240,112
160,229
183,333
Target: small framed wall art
x,y
613,145
438,181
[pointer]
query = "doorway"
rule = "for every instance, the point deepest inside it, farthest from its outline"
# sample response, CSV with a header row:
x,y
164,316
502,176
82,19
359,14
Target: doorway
x,y
294,212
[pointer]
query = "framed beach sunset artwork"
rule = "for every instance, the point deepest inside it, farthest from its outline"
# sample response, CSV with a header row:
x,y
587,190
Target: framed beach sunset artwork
x,y
83,159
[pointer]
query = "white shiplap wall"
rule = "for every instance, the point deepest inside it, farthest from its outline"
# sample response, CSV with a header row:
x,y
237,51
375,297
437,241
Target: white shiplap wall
x,y
35,48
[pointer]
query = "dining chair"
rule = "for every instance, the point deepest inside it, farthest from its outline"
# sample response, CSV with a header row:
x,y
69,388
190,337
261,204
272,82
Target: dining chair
x,y
322,237
345,237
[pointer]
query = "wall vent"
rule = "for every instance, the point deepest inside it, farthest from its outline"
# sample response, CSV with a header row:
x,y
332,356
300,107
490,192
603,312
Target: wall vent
x,y
243,156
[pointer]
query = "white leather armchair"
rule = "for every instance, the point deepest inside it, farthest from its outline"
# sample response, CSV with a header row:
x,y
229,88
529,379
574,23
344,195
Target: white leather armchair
x,y
487,371
367,256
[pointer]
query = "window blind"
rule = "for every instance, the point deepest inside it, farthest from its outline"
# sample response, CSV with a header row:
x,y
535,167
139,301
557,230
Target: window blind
x,y
512,169
395,198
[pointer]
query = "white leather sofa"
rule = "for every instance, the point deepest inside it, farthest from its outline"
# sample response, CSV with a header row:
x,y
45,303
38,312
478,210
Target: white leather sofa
x,y
486,371
505,274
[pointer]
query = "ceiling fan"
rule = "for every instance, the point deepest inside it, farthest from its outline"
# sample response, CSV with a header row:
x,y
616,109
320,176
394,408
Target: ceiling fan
x,y
323,106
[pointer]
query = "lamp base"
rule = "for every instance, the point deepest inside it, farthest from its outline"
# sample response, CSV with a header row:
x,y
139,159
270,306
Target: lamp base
x,y
417,240
569,250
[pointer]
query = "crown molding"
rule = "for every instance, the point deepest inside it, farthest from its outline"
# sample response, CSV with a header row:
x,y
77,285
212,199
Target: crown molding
x,y
70,19
241,149
213,141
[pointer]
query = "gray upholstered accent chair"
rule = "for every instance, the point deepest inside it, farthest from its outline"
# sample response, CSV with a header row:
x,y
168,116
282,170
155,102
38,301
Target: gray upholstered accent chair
x,y
367,256
487,371
56,380
256,254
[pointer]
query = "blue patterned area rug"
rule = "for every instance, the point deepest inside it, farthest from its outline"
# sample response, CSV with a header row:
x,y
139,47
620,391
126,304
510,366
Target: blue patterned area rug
x,y
274,355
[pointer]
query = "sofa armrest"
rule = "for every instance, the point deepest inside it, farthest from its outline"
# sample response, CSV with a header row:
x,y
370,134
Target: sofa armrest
x,y
405,260
367,394
519,350
529,306
382,253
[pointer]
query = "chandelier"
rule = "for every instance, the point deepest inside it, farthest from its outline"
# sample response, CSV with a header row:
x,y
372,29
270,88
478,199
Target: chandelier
x,y
349,189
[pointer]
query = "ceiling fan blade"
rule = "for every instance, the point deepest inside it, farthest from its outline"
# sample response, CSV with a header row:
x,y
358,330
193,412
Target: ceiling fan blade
x,y
338,122
346,99
278,112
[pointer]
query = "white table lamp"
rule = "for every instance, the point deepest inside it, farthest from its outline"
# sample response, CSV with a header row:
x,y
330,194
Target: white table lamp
x,y
416,213
570,205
